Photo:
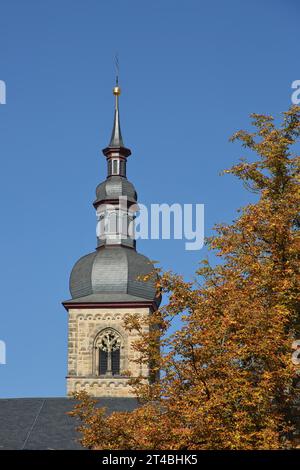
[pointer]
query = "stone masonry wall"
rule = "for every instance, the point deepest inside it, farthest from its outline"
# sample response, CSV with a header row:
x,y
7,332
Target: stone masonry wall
x,y
84,325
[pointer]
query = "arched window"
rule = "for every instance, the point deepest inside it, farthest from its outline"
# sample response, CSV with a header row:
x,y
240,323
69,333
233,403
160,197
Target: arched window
x,y
108,346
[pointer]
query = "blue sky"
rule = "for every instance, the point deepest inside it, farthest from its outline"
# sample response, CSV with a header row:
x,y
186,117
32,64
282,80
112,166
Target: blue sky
x,y
191,73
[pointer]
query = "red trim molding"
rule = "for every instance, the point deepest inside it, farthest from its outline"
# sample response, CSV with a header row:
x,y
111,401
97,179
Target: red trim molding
x,y
151,304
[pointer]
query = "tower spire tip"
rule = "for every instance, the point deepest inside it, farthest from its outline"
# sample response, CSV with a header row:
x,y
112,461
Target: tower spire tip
x,y
117,89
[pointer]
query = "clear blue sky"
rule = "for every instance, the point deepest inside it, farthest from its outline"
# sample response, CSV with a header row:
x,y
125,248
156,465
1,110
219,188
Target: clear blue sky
x,y
191,72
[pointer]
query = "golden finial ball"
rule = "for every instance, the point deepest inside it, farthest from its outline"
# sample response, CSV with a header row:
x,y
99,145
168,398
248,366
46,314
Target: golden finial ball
x,y
116,90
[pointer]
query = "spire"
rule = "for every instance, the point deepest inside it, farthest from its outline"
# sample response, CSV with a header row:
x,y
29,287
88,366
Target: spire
x,y
116,148
116,136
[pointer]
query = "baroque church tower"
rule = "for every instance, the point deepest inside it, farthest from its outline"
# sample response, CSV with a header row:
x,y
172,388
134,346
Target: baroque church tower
x,y
105,286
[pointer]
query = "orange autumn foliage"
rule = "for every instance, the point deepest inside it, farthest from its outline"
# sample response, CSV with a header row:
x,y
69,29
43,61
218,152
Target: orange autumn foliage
x,y
226,377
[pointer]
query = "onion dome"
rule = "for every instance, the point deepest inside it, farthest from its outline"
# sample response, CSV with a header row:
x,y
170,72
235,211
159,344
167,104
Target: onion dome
x,y
111,274
113,188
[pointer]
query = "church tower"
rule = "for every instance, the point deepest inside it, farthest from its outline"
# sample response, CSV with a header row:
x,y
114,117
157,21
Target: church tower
x,y
105,286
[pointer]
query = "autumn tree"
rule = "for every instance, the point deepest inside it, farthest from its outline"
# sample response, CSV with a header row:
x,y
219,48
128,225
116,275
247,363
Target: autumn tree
x,y
226,380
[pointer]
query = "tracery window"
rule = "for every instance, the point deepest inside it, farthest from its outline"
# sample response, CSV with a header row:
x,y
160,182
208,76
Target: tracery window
x,y
108,351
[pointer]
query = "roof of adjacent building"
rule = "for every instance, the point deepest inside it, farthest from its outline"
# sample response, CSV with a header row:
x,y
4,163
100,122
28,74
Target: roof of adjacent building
x,y
43,423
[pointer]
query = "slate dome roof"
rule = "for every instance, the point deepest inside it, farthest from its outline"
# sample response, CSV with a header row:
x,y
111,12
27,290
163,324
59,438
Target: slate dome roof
x,y
110,274
114,187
